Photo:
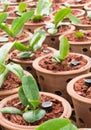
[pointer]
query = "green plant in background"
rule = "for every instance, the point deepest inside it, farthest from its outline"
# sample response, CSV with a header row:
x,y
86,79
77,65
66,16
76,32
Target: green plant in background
x,y
5,68
57,124
43,9
58,18
79,34
63,51
4,5
35,43
22,7
17,24
29,97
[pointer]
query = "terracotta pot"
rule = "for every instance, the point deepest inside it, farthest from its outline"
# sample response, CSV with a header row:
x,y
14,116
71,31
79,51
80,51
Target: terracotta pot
x,y
72,4
55,82
82,105
27,64
82,47
6,93
32,26
14,3
23,40
87,6
80,13
7,125
82,26
53,40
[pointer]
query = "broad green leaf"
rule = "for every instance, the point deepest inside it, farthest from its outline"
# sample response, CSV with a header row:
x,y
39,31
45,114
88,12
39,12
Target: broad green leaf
x,y
19,46
2,68
37,40
21,21
25,54
64,48
73,19
33,115
22,97
57,124
22,7
61,14
3,17
16,69
6,28
43,7
4,50
3,77
5,7
30,89
37,18
11,110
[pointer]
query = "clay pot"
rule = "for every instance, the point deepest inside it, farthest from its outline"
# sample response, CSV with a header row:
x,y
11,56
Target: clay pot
x,y
53,40
7,125
72,4
32,26
55,82
14,3
6,93
82,105
82,47
27,64
87,6
20,38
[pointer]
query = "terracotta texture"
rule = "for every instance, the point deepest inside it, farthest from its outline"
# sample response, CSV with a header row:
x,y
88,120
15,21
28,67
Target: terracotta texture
x,y
81,46
53,40
82,105
55,82
7,125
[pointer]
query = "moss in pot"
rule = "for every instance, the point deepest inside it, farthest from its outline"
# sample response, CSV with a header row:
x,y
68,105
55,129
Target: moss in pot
x,y
52,70
31,107
15,30
79,41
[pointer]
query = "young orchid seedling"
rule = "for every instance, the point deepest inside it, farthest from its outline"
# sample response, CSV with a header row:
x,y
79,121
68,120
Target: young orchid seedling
x,y
43,9
60,55
79,34
35,43
17,24
29,96
58,18
21,8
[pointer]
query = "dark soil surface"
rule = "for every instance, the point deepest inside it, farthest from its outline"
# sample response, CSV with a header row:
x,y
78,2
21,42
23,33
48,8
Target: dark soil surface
x,y
57,110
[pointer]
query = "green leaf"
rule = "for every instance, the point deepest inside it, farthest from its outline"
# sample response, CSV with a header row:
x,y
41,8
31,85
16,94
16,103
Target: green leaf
x,y
16,69
22,7
61,14
37,40
37,18
57,124
25,54
64,48
19,46
79,34
73,19
52,31
43,7
22,97
30,89
16,28
3,17
33,115
2,68
5,7
3,76
11,110
4,50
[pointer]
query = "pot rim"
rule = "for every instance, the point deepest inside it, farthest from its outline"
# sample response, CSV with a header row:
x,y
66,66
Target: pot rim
x,y
5,123
72,92
40,69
